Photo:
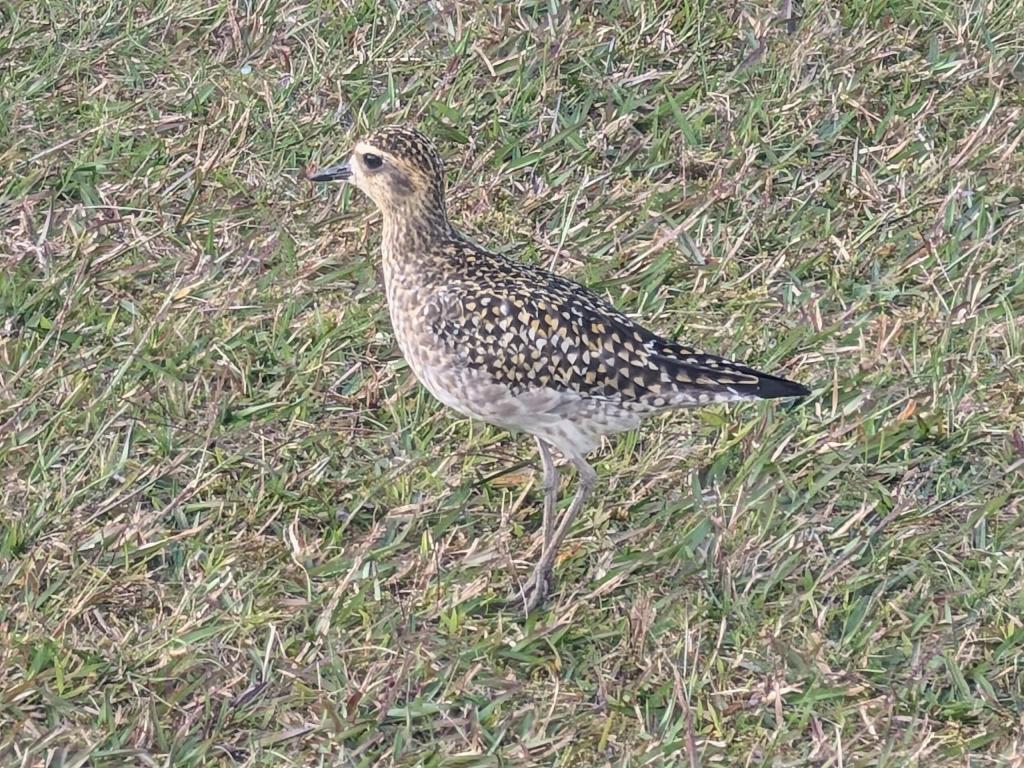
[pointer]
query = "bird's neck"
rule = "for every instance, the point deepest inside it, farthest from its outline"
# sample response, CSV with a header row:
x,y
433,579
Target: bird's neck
x,y
410,234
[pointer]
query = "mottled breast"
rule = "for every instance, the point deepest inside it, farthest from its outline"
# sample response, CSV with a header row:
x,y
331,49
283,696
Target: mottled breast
x,y
412,302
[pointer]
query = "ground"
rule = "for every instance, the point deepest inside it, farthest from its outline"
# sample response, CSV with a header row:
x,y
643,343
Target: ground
x,y
234,530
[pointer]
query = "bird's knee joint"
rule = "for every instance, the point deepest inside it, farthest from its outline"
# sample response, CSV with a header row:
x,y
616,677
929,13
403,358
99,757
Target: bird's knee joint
x,y
588,477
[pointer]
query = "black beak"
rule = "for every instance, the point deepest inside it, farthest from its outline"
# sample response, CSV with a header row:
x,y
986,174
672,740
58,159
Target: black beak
x,y
339,172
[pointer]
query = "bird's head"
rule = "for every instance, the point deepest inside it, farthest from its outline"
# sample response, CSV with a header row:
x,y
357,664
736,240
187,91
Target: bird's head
x,y
398,168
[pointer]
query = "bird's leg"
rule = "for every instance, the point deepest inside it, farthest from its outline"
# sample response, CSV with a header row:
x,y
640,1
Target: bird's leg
x,y
536,588
550,486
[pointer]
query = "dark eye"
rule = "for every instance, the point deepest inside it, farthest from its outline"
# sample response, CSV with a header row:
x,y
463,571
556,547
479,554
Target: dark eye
x,y
371,161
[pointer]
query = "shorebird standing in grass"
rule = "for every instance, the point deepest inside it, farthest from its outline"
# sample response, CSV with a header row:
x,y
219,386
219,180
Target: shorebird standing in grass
x,y
514,345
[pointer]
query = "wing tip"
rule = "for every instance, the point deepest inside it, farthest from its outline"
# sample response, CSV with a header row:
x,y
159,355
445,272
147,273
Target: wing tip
x,y
774,387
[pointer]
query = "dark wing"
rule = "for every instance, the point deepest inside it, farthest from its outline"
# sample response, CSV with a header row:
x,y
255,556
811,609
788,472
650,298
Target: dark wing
x,y
528,328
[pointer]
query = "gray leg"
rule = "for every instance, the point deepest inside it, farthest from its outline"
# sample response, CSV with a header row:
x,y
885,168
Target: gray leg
x,y
550,486
538,585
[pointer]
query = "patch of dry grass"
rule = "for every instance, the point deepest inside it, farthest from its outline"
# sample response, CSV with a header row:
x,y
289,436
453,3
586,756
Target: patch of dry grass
x,y
234,531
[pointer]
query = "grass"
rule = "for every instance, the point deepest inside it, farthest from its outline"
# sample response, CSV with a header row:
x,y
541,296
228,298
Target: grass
x,y
234,531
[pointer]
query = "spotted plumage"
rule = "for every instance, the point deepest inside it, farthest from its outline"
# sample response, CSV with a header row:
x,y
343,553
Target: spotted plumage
x,y
515,345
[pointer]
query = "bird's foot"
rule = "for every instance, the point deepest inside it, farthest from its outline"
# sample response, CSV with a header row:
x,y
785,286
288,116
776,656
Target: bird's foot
x,y
531,595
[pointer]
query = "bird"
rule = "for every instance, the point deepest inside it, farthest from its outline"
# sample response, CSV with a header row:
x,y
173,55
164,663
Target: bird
x,y
512,344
